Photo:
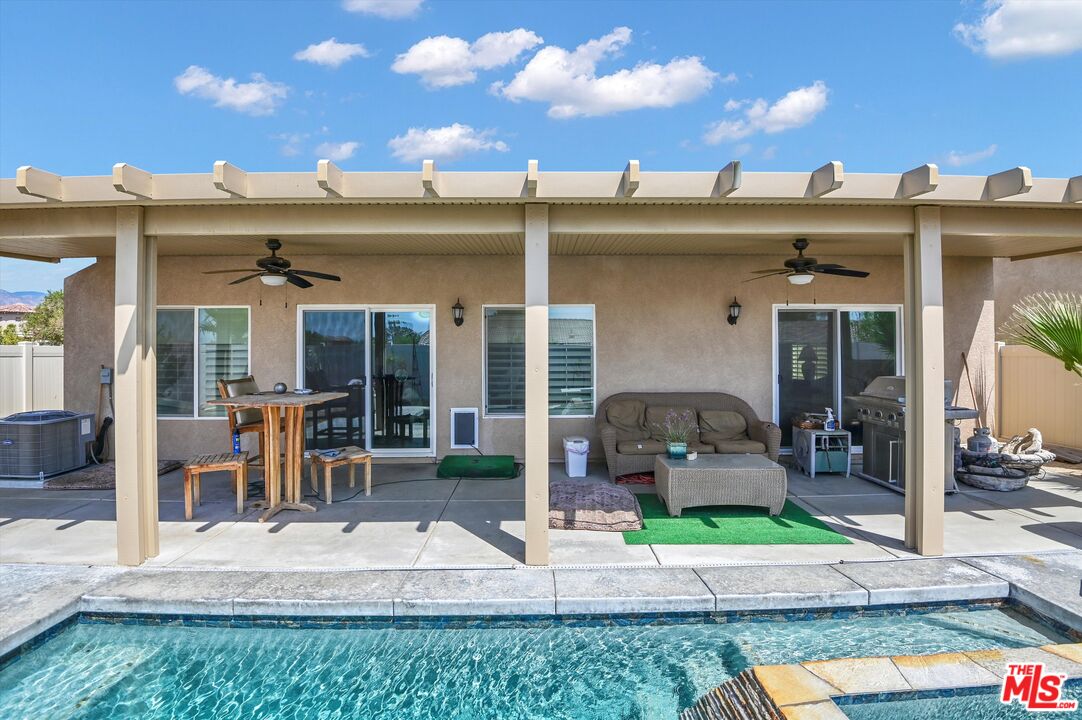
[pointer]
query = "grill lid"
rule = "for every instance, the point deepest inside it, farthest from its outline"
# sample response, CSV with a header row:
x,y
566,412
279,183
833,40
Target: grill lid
x,y
886,387
891,388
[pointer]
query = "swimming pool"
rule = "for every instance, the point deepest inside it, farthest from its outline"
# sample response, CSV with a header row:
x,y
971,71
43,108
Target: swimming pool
x,y
556,670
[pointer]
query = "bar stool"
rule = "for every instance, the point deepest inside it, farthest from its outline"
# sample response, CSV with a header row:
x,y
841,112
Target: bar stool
x,y
215,462
350,455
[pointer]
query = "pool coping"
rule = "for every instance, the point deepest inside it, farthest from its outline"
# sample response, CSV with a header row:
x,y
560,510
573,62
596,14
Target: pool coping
x,y
818,689
489,593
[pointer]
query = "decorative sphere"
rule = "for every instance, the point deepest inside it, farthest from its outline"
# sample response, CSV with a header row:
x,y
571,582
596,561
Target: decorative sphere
x,y
280,388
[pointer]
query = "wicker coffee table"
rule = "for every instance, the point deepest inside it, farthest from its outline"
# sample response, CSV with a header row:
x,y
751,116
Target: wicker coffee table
x,y
719,480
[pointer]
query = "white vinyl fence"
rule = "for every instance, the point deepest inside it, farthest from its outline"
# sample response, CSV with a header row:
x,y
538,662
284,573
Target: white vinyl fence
x,y
1035,390
31,378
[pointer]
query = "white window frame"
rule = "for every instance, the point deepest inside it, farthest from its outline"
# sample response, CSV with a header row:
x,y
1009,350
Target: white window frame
x,y
837,309
430,451
195,354
484,362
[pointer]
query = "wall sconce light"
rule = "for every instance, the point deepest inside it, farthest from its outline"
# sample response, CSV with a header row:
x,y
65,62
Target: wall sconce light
x,y
458,312
734,312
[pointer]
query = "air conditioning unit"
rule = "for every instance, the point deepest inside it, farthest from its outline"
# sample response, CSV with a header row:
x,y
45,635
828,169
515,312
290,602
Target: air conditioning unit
x,y
42,443
463,428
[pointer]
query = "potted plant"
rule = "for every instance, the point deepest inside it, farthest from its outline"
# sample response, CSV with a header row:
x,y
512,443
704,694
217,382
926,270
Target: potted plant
x,y
677,428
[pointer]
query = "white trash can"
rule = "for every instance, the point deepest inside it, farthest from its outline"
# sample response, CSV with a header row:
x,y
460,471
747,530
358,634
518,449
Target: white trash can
x,y
575,451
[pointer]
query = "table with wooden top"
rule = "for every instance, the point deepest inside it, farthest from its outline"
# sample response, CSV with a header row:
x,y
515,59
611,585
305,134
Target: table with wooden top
x,y
274,406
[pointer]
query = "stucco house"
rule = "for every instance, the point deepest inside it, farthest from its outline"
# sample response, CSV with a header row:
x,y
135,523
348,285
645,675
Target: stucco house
x,y
569,287
14,314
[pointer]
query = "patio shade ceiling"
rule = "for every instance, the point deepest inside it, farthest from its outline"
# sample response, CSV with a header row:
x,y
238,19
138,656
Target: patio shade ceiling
x,y
232,212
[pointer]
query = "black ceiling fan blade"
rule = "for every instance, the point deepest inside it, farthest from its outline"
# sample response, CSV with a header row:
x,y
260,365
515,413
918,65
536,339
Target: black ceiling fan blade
x,y
775,274
842,271
219,272
771,270
245,278
298,281
314,274
832,266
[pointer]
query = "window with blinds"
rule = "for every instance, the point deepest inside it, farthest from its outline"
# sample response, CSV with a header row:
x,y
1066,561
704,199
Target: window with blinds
x,y
196,347
571,360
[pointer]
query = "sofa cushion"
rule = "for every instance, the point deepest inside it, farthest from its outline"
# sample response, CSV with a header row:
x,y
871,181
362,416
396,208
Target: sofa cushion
x,y
740,446
640,447
627,416
655,418
722,425
700,447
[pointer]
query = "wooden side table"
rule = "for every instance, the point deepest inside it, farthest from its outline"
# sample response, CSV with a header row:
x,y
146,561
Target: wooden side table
x,y
351,455
215,462
813,448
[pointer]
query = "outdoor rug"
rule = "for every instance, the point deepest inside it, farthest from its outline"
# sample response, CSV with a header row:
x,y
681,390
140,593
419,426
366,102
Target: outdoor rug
x,y
495,467
646,478
730,525
592,506
97,477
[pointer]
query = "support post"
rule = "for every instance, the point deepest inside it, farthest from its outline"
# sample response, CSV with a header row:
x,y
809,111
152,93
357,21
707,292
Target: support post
x,y
537,384
135,393
924,416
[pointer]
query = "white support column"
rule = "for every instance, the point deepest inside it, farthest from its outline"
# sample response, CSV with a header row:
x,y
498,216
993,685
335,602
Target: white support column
x,y
537,384
924,417
135,434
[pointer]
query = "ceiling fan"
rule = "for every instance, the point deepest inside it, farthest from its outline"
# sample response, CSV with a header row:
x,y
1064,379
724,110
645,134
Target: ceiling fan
x,y
799,270
276,271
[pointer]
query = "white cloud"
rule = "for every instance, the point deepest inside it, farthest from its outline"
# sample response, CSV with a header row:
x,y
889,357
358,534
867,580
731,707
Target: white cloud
x,y
1013,29
258,97
731,104
569,82
957,159
337,151
331,53
386,9
770,153
291,143
742,149
445,143
796,109
444,61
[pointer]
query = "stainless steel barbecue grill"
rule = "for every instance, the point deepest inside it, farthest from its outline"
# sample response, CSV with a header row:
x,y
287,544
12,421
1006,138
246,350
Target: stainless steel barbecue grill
x,y
881,409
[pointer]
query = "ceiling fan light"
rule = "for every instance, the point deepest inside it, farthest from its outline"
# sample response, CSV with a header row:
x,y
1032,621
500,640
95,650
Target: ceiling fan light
x,y
272,279
801,278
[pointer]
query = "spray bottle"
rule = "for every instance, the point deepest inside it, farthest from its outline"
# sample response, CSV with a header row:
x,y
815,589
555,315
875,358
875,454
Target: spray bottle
x,y
830,423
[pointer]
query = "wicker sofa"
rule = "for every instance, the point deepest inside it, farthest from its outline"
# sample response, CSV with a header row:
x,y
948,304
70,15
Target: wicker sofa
x,y
631,439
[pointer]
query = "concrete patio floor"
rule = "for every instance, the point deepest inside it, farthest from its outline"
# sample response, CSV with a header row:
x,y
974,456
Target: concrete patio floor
x,y
413,519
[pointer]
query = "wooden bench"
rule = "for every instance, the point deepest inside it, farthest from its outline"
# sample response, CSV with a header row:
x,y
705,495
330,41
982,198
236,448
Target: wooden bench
x,y
350,455
216,462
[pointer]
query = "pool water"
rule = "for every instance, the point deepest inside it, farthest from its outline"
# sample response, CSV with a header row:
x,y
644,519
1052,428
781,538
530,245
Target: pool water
x,y
544,670
979,706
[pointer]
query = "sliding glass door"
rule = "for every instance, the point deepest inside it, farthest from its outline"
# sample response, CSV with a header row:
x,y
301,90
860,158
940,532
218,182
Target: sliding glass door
x,y
333,358
824,354
382,359
401,379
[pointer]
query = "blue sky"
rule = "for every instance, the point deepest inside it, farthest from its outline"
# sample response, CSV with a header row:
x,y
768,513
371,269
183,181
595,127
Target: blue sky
x,y
172,87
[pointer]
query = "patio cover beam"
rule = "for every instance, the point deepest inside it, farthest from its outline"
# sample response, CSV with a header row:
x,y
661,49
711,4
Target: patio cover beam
x,y
537,384
135,438
924,416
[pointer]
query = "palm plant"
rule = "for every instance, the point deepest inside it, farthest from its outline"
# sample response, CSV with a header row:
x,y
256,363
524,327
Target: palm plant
x,y
1050,323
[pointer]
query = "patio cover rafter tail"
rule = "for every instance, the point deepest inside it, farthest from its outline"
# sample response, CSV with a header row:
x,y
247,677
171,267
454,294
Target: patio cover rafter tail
x,y
827,185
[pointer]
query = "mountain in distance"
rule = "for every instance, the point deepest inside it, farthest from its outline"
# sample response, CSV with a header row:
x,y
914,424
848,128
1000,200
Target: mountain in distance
x,y
29,297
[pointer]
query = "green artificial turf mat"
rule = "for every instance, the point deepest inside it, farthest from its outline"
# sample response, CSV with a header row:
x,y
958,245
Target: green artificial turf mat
x,y
730,525
496,467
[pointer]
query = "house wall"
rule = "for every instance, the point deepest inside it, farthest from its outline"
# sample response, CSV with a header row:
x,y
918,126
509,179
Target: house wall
x,y
660,323
1015,280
